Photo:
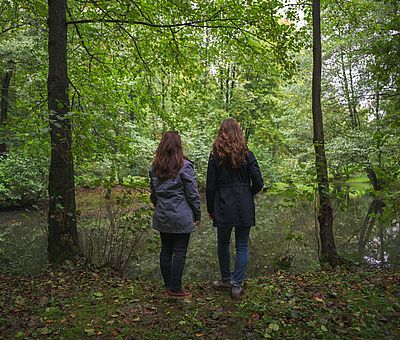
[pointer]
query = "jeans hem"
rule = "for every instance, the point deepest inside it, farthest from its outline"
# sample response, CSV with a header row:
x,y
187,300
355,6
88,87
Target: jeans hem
x,y
236,284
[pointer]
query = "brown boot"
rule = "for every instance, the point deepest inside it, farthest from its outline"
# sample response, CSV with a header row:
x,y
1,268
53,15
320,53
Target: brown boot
x,y
181,294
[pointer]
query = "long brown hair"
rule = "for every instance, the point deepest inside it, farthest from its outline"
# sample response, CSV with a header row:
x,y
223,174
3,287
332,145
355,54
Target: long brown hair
x,y
169,156
230,146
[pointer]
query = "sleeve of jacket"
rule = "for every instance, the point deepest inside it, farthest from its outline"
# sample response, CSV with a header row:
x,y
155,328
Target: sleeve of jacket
x,y
153,196
257,181
211,184
191,192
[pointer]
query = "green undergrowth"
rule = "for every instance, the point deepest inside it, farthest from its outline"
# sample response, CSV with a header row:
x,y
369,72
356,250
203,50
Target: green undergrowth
x,y
76,303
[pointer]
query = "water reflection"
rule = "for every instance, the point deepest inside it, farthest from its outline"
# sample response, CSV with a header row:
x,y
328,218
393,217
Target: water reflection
x,y
285,238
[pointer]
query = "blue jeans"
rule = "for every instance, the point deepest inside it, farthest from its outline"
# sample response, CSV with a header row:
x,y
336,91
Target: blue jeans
x,y
172,259
242,253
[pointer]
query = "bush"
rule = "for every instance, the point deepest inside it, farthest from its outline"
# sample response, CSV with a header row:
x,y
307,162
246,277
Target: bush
x,y
121,226
23,179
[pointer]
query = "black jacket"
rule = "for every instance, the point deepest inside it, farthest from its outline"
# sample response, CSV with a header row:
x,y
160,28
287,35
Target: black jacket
x,y
230,192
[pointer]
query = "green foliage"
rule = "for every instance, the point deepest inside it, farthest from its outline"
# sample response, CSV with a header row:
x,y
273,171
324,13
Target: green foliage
x,y
137,70
23,179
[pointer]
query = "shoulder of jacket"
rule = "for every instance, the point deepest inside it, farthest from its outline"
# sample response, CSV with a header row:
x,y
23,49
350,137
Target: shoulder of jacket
x,y
213,158
187,160
188,166
250,154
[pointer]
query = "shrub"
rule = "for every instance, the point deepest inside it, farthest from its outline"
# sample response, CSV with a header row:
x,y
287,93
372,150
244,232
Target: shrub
x,y
23,179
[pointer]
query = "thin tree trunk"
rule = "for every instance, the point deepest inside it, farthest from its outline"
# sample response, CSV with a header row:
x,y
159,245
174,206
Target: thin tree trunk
x,y
325,216
63,236
5,89
354,113
381,245
378,119
227,89
346,88
162,97
233,76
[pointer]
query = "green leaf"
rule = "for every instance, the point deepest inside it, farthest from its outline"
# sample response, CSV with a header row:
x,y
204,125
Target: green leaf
x,y
44,331
274,326
89,331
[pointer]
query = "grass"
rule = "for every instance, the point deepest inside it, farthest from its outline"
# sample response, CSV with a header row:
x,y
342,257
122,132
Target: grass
x,y
75,303
359,179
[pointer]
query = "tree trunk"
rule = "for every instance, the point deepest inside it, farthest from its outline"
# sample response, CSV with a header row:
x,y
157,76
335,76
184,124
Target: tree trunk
x,y
355,118
233,76
5,89
227,103
346,88
63,236
325,216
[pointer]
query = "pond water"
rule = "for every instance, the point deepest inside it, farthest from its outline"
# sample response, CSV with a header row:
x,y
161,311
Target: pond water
x,y
285,238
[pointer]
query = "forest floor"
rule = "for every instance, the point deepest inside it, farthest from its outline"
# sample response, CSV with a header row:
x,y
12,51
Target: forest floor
x,y
75,302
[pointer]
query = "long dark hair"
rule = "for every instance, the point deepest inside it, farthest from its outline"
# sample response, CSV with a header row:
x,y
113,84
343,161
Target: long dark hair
x,y
169,156
230,146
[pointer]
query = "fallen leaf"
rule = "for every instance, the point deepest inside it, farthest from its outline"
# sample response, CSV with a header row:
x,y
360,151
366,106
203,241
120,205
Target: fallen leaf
x,y
89,331
43,300
255,316
44,331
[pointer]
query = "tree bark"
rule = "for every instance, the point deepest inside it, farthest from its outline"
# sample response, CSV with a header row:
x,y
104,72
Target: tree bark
x,y
227,102
354,113
346,88
351,105
325,217
63,236
5,89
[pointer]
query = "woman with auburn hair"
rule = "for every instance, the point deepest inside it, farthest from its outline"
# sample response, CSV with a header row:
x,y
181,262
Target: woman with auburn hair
x,y
176,209
233,178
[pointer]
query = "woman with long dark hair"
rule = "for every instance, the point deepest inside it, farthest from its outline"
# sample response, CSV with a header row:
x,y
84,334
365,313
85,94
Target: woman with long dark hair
x,y
176,209
233,178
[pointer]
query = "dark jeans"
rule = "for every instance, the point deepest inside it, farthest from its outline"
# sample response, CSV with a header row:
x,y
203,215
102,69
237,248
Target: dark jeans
x,y
172,259
242,253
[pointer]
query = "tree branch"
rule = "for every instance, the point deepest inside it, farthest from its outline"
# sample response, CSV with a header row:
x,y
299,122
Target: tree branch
x,y
145,23
12,28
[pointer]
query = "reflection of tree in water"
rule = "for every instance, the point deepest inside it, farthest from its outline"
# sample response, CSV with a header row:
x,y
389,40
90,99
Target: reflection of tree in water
x,y
379,242
284,238
368,224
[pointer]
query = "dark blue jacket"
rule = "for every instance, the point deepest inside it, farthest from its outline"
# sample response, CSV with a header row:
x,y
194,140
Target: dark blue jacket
x,y
230,192
176,201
